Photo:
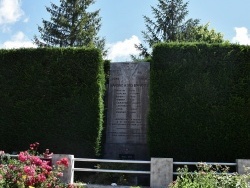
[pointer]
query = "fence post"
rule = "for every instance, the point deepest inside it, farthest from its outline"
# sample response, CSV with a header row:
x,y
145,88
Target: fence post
x,y
68,173
161,173
242,164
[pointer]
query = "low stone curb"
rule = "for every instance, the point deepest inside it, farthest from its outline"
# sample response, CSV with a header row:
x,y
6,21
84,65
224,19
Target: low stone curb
x,y
109,186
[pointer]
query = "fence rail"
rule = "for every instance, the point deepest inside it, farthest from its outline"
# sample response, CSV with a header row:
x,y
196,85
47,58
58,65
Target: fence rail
x,y
137,162
111,161
110,170
14,156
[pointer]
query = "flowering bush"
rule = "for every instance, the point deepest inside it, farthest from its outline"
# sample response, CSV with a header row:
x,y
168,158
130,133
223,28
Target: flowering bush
x,y
30,171
210,177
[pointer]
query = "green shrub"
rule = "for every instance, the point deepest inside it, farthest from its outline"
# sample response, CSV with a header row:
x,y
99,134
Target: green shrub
x,y
54,96
200,102
208,176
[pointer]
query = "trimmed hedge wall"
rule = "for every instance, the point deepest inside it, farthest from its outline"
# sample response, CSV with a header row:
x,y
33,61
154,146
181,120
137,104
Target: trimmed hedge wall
x,y
199,102
53,96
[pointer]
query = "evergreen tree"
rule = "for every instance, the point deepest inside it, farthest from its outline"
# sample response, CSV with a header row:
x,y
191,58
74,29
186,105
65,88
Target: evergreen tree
x,y
170,24
71,26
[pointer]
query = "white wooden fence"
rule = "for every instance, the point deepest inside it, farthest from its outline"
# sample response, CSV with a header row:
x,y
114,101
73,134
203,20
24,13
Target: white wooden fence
x,y
110,170
161,169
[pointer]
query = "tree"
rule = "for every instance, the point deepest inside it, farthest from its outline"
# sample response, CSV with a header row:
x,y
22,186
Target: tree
x,y
170,25
71,26
202,33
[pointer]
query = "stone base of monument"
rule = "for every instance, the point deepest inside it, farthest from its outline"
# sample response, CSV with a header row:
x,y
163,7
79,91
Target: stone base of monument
x,y
126,151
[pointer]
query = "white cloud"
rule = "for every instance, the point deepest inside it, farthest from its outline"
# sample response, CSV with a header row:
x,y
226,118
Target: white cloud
x,y
19,40
5,29
26,20
10,11
242,36
121,51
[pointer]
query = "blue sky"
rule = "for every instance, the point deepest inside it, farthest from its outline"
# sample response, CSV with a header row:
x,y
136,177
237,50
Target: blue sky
x,y
122,21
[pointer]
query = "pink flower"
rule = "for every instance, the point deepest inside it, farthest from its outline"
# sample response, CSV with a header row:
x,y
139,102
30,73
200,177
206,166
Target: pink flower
x,y
64,162
60,174
36,160
11,166
30,181
23,156
45,166
41,177
34,146
29,170
71,186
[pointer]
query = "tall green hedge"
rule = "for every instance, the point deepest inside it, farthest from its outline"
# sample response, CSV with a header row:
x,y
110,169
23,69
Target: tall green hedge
x,y
200,102
53,96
